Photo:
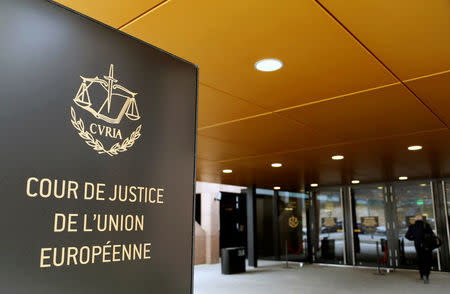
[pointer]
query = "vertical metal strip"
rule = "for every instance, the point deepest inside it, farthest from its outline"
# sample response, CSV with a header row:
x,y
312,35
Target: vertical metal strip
x,y
387,219
343,224
444,193
275,226
352,229
394,237
435,225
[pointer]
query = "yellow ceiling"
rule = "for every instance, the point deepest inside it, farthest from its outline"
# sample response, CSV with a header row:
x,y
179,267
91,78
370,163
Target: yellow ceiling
x,y
364,78
115,13
225,40
412,37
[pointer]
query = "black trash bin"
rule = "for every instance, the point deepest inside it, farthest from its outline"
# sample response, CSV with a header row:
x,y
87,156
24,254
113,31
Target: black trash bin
x,y
233,260
328,248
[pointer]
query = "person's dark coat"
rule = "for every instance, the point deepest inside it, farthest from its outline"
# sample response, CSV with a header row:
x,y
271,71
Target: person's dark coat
x,y
416,232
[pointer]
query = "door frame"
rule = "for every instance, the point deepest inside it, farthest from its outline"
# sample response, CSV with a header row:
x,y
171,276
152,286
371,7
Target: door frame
x,y
394,229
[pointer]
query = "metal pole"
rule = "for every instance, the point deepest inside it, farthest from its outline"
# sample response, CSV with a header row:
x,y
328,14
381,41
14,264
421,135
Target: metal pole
x,y
378,260
286,249
379,272
386,246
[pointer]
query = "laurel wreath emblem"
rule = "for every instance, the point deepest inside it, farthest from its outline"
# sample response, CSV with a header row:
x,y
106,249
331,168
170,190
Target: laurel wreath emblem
x,y
97,145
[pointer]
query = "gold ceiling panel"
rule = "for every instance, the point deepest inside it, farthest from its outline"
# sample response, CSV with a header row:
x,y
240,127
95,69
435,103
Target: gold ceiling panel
x,y
225,39
214,149
244,176
111,12
216,107
383,112
411,37
369,161
269,133
435,92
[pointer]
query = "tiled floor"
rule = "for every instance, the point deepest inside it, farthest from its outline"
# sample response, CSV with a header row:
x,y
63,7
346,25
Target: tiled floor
x,y
271,277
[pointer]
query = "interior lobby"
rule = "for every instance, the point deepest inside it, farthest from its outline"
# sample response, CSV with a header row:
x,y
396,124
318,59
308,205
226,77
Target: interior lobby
x,y
322,131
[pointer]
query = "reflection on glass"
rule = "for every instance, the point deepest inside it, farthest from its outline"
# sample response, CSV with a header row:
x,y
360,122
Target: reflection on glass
x,y
412,199
330,234
369,225
264,225
447,192
292,225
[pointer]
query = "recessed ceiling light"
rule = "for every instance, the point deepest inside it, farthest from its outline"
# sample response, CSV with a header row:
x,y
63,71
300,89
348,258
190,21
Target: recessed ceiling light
x,y
314,185
415,147
276,188
380,188
337,157
355,182
227,171
270,64
276,164
402,178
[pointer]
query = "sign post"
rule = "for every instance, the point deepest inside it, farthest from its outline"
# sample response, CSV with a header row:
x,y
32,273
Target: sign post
x,y
97,157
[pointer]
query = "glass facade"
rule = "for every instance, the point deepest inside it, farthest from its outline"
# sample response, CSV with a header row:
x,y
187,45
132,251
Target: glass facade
x,y
354,225
447,208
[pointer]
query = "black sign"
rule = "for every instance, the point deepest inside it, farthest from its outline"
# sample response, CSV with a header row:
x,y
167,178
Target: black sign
x,y
369,224
97,157
329,222
330,225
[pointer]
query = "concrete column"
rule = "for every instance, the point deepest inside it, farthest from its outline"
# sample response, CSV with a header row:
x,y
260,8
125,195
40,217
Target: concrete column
x,y
199,245
210,224
210,219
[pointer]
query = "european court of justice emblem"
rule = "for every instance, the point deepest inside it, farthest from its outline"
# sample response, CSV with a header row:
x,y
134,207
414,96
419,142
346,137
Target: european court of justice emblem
x,y
106,127
293,222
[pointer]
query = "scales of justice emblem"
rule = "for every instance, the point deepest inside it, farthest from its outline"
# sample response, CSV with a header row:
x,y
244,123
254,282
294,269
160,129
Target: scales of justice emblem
x,y
119,103
293,222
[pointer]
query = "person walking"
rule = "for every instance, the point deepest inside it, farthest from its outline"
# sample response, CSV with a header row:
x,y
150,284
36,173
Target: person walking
x,y
418,232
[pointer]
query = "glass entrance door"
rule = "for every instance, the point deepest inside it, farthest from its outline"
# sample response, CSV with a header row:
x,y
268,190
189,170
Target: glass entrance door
x,y
377,218
410,199
329,238
292,225
369,225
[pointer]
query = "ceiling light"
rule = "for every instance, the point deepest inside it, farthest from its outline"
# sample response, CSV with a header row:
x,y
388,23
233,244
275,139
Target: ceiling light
x,y
380,188
337,157
423,185
355,182
227,171
276,188
402,178
415,147
277,164
268,64
314,185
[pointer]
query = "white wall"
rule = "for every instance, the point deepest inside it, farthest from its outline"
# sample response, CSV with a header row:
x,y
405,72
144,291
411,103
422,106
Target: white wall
x,y
210,220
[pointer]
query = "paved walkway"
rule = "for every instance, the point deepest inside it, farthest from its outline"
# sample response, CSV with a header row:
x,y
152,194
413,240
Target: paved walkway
x,y
271,277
